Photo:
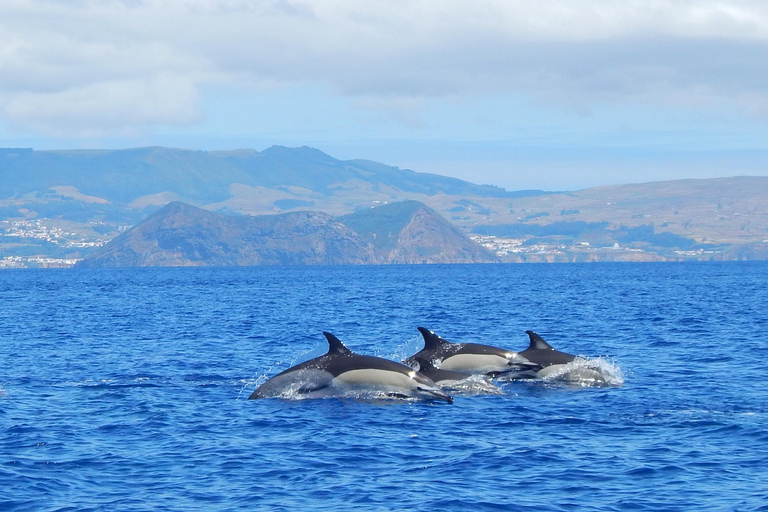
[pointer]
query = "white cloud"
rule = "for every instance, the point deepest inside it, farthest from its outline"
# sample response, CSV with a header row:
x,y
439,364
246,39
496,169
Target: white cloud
x,y
113,107
106,66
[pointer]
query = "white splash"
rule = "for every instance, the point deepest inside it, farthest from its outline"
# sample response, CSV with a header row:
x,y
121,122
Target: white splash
x,y
586,372
474,385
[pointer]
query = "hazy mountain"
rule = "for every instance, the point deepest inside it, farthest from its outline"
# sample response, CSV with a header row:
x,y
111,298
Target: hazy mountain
x,y
676,213
184,235
202,177
78,199
411,232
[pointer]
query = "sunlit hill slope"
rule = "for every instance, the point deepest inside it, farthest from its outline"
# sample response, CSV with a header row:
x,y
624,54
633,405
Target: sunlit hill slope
x,y
67,204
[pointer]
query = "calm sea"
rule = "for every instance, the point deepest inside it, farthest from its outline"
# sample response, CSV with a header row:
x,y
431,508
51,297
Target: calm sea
x,y
126,390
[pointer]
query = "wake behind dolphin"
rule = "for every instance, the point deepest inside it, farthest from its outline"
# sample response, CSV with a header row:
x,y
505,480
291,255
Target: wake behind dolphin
x,y
340,372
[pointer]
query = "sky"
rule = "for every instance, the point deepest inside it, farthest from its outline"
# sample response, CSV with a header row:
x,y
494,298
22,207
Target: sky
x,y
541,94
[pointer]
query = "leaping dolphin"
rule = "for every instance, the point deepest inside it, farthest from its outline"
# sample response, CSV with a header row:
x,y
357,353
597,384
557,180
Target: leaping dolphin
x,y
470,358
341,370
443,378
544,354
553,362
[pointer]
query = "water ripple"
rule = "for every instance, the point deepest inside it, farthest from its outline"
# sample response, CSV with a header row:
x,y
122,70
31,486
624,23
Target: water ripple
x,y
126,390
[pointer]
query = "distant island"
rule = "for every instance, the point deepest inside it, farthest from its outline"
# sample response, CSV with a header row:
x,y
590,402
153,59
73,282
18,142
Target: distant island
x,y
58,208
183,235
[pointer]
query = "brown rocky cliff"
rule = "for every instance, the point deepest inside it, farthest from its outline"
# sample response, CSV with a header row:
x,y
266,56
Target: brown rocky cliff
x,y
183,235
428,238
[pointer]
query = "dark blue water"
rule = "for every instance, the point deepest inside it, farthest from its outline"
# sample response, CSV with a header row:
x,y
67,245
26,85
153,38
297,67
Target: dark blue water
x,y
126,390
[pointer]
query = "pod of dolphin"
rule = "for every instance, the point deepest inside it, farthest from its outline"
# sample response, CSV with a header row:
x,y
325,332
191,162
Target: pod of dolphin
x,y
440,365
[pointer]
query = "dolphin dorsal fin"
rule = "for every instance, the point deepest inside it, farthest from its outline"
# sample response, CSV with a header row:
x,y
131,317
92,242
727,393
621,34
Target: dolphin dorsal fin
x,y
431,340
537,342
335,346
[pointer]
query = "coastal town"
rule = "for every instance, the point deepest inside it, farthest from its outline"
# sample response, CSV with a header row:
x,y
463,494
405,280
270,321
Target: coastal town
x,y
515,250
54,236
64,244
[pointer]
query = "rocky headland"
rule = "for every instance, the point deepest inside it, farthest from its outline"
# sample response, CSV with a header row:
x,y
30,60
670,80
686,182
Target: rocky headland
x,y
183,235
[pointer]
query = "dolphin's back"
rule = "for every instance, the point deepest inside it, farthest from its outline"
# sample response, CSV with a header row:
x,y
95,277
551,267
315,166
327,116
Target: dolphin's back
x,y
542,353
338,365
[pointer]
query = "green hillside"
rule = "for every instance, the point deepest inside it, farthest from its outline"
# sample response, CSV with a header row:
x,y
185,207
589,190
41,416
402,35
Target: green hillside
x,y
381,226
67,203
122,176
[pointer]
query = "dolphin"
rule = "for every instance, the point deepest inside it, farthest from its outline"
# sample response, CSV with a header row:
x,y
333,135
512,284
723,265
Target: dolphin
x,y
341,370
544,354
470,358
443,378
553,362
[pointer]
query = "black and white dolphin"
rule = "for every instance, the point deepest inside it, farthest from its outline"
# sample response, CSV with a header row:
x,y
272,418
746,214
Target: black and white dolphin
x,y
443,378
553,362
341,371
544,354
470,358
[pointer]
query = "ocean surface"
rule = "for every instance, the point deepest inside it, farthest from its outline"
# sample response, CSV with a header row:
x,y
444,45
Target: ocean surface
x,y
127,390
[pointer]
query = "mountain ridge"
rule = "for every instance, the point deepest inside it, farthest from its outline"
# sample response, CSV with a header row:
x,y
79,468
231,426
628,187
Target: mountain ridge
x,y
45,212
190,173
183,235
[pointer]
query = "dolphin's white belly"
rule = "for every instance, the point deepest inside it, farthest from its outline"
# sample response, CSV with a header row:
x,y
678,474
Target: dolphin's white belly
x,y
374,378
475,363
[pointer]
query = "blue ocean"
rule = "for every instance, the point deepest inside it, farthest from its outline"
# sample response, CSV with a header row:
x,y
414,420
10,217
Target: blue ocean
x,y
126,389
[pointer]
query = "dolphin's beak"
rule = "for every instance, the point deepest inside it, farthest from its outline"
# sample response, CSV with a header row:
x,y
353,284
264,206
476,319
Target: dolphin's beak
x,y
438,394
524,367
